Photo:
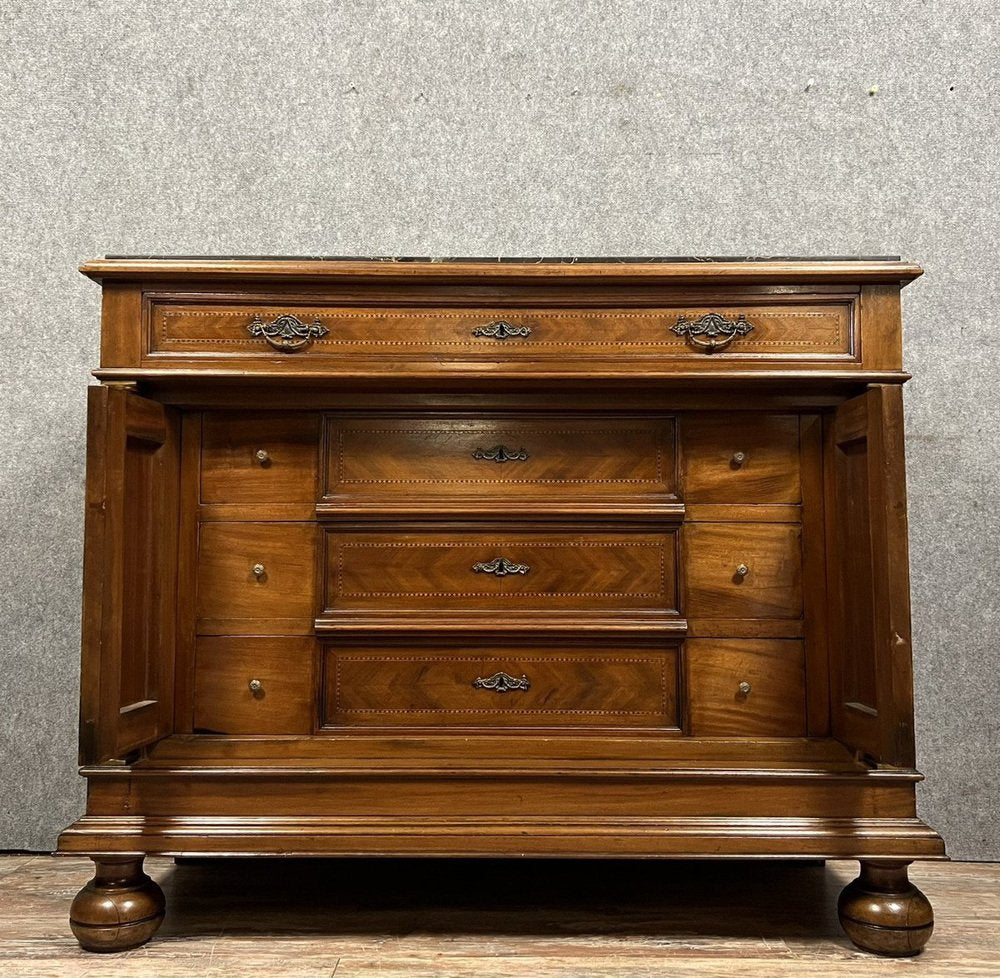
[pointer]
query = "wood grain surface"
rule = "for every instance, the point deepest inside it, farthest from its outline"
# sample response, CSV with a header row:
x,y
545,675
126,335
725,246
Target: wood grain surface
x,y
232,471
581,586
505,459
790,330
610,688
398,918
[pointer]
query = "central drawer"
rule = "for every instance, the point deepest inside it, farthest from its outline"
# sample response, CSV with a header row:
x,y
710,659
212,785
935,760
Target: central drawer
x,y
500,458
530,686
500,571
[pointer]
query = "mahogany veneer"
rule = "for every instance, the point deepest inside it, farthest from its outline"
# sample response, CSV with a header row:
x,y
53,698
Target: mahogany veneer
x,y
462,558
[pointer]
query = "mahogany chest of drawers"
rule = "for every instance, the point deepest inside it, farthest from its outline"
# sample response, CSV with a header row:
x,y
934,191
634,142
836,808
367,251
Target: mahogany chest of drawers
x,y
552,558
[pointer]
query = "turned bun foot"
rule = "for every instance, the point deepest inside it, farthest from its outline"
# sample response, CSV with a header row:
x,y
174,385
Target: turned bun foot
x,y
119,909
884,913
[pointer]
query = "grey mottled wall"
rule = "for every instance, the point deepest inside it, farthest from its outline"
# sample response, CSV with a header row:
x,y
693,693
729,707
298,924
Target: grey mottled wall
x,y
499,128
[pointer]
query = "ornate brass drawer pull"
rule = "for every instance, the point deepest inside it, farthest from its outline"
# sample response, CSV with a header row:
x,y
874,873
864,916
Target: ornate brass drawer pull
x,y
712,332
501,329
501,682
500,567
500,453
287,333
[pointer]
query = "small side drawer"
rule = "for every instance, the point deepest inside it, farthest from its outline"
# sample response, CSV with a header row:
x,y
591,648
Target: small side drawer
x,y
529,687
744,688
744,459
259,457
256,576
503,572
742,570
254,685
501,459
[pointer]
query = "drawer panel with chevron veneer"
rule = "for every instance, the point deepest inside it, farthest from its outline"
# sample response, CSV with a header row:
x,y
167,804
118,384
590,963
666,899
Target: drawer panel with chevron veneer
x,y
527,686
498,465
503,571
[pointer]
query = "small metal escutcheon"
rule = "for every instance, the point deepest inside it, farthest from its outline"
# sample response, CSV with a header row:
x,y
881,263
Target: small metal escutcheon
x,y
501,682
501,329
287,333
258,571
262,456
500,567
742,570
713,331
744,688
256,687
500,453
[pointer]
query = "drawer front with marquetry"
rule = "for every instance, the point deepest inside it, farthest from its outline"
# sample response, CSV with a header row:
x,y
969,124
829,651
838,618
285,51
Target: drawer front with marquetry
x,y
529,686
502,459
502,572
805,328
734,570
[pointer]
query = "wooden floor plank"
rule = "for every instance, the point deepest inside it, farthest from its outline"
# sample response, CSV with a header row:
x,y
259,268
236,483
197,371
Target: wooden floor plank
x,y
12,861
411,918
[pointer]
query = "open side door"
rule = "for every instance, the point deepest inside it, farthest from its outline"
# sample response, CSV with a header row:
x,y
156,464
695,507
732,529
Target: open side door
x,y
130,574
870,654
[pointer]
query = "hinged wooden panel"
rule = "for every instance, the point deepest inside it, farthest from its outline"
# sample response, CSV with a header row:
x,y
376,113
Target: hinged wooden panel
x,y
130,569
871,670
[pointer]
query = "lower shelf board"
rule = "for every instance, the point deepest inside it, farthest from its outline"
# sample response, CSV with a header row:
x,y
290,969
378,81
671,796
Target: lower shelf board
x,y
627,752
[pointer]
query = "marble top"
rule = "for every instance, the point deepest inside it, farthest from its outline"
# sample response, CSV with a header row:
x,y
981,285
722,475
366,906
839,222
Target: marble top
x,y
502,260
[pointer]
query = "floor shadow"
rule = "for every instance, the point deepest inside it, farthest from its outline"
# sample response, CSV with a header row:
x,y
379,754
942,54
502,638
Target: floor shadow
x,y
395,896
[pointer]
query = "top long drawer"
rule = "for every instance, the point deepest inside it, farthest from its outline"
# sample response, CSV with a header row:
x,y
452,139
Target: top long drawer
x,y
799,328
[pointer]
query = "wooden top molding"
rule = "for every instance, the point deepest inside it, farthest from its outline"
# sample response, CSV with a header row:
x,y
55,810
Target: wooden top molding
x,y
689,271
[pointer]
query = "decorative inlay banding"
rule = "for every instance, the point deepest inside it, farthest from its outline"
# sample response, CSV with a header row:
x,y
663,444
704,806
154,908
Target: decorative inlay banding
x,y
664,666
342,479
499,594
834,341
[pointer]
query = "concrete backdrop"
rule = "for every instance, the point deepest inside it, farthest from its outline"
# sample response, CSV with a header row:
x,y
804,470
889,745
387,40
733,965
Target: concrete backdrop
x,y
507,127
